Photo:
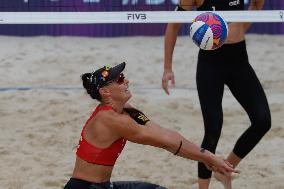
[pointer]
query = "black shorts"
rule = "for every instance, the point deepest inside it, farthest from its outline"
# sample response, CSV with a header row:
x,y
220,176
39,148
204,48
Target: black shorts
x,y
75,183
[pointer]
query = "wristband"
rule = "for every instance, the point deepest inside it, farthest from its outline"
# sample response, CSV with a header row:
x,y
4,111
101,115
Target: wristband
x,y
178,148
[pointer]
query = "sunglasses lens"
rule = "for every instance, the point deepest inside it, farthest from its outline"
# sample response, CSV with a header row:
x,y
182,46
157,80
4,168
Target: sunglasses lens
x,y
120,79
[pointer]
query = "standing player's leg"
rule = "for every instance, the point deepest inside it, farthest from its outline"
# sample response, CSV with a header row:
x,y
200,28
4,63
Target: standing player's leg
x,y
247,89
210,88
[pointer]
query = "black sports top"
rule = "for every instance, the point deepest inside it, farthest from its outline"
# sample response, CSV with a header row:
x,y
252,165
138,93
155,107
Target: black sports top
x,y
221,5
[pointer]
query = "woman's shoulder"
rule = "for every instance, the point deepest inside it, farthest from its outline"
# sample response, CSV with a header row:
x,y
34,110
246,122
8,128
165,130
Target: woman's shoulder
x,y
110,116
104,118
105,112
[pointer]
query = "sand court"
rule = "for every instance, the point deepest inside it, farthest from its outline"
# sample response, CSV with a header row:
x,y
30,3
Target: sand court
x,y
43,108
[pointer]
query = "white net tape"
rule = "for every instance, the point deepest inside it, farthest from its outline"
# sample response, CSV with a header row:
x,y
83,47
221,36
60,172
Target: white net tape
x,y
134,17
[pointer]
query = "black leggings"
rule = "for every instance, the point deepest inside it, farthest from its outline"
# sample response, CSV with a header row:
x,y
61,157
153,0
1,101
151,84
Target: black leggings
x,y
229,65
75,183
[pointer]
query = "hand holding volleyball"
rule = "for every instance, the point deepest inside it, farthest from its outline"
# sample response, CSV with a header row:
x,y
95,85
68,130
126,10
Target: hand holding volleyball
x,y
208,31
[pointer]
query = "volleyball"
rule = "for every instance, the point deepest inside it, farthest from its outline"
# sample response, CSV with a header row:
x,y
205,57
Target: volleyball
x,y
209,31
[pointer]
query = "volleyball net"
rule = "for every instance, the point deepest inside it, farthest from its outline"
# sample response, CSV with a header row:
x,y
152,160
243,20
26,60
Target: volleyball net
x,y
122,11
133,17
109,18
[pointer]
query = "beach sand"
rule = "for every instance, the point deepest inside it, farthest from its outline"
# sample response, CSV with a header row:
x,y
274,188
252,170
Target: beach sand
x,y
41,123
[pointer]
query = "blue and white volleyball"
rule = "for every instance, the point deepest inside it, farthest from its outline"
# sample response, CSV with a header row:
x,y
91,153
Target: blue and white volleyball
x,y
209,31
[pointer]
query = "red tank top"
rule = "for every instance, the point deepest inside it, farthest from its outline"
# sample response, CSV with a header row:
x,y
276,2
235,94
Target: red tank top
x,y
101,156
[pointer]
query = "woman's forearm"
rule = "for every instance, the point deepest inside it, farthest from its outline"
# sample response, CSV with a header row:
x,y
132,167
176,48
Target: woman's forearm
x,y
182,147
169,44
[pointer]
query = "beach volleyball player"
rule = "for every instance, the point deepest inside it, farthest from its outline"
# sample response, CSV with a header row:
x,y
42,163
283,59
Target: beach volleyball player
x,y
227,65
113,123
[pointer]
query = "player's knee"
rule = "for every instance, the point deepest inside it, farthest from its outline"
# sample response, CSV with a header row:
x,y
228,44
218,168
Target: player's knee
x,y
213,125
210,141
266,126
262,123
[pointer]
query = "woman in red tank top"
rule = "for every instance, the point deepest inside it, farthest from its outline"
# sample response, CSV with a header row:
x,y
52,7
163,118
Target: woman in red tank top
x,y
112,124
